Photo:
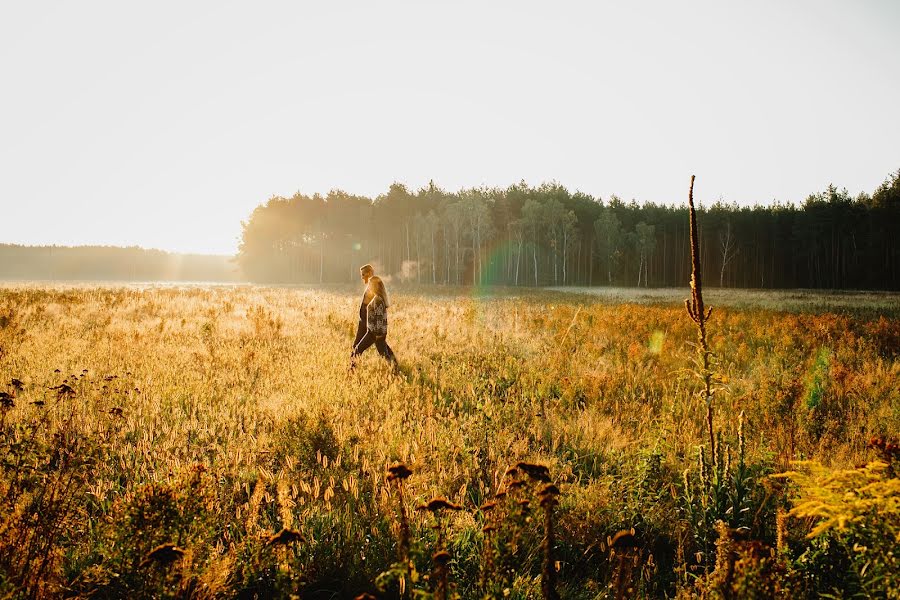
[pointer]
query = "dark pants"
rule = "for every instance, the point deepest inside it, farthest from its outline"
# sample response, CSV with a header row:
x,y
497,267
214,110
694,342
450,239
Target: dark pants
x,y
361,331
380,344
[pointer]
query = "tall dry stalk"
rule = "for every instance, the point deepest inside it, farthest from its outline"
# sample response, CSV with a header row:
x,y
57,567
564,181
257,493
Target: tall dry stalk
x,y
398,472
700,315
441,558
549,495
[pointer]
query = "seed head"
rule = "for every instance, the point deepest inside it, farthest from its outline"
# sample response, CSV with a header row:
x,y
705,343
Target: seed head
x,y
163,554
437,504
549,495
64,390
537,472
399,471
622,539
549,490
284,537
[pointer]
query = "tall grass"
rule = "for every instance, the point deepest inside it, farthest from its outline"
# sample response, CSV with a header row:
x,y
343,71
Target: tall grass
x,y
212,420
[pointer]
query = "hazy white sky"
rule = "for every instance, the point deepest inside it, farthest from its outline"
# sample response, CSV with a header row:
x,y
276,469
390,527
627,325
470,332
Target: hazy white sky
x,y
163,124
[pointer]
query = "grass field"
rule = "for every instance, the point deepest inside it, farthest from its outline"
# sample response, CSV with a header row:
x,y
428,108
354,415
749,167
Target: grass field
x,y
211,418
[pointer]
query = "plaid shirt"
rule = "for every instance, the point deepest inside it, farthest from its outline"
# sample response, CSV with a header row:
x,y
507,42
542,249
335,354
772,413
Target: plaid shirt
x,y
376,316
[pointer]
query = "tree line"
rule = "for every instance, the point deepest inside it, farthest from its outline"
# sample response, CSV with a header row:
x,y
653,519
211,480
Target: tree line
x,y
547,235
111,263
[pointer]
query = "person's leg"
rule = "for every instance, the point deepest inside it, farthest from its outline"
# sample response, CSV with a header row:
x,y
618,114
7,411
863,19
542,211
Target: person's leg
x,y
367,340
384,350
360,333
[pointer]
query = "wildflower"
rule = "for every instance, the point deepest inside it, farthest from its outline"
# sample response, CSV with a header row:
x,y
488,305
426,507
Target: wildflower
x,y
781,531
537,472
549,494
514,485
398,471
441,574
623,545
164,554
284,537
437,504
64,390
622,539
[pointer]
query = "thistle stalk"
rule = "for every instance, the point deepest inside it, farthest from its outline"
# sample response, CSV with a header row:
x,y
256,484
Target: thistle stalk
x,y
700,315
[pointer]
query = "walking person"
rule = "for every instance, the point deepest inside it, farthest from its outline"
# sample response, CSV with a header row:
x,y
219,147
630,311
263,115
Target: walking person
x,y
372,326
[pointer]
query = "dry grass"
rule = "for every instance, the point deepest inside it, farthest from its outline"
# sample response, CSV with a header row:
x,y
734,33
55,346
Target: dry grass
x,y
213,418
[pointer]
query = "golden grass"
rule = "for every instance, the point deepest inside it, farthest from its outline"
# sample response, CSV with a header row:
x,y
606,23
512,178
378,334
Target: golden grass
x,y
251,385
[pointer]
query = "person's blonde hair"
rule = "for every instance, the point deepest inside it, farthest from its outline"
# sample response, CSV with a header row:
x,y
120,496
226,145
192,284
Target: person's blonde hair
x,y
376,287
367,269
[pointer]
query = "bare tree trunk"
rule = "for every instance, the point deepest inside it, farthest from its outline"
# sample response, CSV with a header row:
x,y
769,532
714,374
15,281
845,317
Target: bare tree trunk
x,y
457,258
728,252
555,266
518,257
322,259
665,262
508,251
591,264
447,256
478,247
640,268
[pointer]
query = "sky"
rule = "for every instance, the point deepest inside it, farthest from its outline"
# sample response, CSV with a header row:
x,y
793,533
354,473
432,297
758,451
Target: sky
x,y
164,124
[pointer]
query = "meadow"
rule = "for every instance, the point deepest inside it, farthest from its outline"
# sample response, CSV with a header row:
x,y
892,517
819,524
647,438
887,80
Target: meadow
x,y
210,442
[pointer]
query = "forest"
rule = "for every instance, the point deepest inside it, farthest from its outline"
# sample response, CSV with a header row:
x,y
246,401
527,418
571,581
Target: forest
x,y
550,236
111,263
